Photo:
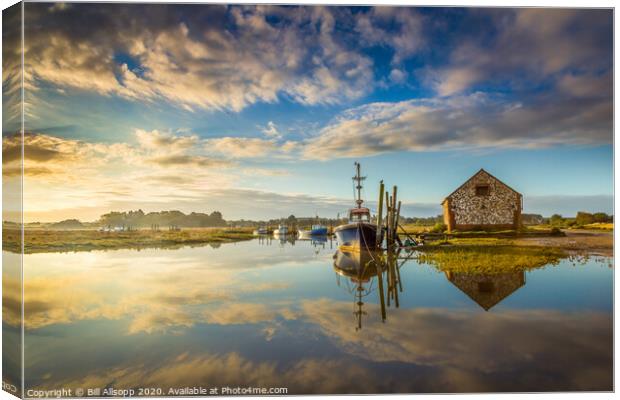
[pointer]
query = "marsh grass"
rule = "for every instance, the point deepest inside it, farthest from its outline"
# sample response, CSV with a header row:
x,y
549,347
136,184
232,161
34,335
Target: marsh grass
x,y
604,226
489,259
41,241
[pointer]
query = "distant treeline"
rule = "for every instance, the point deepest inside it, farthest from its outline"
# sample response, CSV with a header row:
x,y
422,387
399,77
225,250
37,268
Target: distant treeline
x,y
582,218
139,219
421,221
163,219
291,221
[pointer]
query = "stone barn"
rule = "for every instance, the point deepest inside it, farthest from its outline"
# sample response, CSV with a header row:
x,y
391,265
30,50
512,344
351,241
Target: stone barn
x,y
483,202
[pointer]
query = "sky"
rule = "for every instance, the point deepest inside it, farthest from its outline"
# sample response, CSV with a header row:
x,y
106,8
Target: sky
x,y
261,111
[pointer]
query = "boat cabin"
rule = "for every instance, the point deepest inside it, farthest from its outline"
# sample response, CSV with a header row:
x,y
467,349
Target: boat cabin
x,y
361,214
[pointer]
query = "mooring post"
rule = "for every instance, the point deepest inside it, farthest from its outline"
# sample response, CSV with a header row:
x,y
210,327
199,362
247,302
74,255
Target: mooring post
x,y
392,214
388,221
380,216
396,222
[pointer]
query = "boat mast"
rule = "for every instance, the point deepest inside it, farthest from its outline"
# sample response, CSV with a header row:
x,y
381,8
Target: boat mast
x,y
358,179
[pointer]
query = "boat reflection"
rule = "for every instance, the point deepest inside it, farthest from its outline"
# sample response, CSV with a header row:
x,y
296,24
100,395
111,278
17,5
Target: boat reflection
x,y
368,272
487,290
281,239
362,268
318,243
285,238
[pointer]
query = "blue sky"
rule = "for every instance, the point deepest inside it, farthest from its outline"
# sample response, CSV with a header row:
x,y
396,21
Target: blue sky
x,y
260,112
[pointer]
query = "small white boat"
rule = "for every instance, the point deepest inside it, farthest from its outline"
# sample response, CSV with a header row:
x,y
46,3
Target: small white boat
x,y
281,231
261,231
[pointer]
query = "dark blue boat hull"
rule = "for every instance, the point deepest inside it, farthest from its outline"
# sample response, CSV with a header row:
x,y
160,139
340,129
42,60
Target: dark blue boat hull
x,y
357,235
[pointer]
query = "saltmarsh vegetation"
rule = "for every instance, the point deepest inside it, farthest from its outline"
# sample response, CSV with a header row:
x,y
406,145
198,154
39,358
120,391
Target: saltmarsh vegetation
x,y
41,241
489,257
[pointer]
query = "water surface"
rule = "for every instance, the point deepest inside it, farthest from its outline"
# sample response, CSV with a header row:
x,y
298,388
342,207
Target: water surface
x,y
266,313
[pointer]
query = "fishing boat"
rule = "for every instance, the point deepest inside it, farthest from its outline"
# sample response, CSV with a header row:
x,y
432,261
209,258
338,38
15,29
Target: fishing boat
x,y
316,230
281,231
359,232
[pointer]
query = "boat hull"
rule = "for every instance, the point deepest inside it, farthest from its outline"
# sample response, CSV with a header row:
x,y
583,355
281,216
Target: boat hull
x,y
318,231
312,233
358,235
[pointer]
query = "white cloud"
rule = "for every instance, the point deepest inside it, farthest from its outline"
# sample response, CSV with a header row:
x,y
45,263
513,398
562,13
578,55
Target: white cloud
x,y
271,130
244,147
398,28
532,45
474,121
455,80
68,176
398,76
197,65
587,85
167,142
424,337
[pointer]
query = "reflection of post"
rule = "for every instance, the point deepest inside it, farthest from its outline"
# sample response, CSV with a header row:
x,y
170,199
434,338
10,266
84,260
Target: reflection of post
x,y
381,293
394,281
400,284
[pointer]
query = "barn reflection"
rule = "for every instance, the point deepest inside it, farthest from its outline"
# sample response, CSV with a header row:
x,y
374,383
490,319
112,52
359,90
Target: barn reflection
x,y
487,290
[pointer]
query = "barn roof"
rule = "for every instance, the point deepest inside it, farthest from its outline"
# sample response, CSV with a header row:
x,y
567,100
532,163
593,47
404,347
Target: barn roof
x,y
472,177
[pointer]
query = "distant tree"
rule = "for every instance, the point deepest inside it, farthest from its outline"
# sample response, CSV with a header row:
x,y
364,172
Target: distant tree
x,y
162,218
532,219
601,217
556,219
584,218
67,224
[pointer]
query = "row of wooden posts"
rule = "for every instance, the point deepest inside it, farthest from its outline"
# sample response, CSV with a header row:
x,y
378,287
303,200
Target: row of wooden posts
x,y
389,224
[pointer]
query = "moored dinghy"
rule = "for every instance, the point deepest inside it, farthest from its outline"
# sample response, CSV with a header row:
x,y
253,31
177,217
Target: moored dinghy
x,y
359,233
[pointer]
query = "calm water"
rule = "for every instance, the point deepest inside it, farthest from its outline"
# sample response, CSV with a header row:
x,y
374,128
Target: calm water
x,y
272,314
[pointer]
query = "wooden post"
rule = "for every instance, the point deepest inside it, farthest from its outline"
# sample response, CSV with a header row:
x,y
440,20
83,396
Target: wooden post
x,y
392,218
380,216
388,225
397,217
394,197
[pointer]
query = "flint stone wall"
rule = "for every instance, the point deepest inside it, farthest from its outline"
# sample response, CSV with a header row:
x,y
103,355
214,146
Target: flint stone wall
x,y
500,207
